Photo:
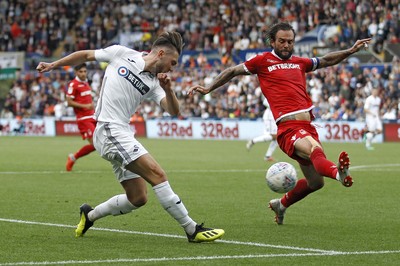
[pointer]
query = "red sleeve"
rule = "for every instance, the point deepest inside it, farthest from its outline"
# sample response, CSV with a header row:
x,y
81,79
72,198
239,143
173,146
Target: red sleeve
x,y
310,63
71,90
253,63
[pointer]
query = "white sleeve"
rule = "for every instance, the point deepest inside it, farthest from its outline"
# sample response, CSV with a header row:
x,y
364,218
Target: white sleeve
x,y
109,53
157,94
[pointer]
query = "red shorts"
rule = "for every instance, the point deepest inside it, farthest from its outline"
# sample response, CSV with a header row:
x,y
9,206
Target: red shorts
x,y
291,131
86,127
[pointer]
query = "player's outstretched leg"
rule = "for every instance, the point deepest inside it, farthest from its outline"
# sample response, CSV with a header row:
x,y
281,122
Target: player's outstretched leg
x,y
343,169
84,223
276,206
249,144
269,159
203,234
70,162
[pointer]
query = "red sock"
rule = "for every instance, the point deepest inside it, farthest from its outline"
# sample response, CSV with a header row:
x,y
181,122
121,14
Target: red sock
x,y
300,191
85,150
322,165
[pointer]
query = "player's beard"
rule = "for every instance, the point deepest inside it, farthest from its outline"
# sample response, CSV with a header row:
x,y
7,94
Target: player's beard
x,y
285,56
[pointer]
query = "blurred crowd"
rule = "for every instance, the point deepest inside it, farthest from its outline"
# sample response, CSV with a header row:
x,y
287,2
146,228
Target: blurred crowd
x,y
36,27
337,92
43,28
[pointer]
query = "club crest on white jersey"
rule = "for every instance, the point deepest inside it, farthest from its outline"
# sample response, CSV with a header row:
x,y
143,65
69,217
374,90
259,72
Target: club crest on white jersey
x,y
136,82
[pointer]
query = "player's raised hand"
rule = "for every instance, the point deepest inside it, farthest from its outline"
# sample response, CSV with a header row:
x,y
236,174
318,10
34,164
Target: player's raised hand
x,y
165,81
44,67
198,88
361,44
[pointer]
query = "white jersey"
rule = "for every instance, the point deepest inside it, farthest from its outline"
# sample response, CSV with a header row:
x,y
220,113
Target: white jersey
x,y
372,104
125,84
372,118
267,113
270,126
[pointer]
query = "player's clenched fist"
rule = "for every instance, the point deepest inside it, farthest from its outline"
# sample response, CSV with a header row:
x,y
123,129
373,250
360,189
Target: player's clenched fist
x,y
44,67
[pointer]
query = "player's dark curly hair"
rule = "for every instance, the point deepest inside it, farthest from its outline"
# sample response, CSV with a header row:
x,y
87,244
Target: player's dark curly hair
x,y
270,35
78,67
171,39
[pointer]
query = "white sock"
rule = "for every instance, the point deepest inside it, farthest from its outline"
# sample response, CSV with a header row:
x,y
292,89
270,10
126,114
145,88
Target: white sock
x,y
271,148
116,205
338,176
281,207
263,138
369,138
174,206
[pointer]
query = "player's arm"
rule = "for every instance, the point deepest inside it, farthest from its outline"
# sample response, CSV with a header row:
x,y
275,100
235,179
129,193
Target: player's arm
x,y
367,107
73,59
336,57
220,80
75,104
169,103
368,111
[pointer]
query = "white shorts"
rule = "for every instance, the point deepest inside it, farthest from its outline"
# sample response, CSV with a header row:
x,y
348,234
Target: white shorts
x,y
117,144
374,123
270,127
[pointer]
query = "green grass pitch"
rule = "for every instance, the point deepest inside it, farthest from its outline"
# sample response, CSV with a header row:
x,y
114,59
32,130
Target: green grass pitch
x,y
220,183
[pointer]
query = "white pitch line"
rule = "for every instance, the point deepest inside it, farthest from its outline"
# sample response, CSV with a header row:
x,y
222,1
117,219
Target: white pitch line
x,y
375,166
50,172
317,252
255,256
353,168
169,235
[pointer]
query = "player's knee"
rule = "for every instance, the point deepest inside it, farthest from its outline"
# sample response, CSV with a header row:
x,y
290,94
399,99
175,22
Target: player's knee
x,y
316,184
162,176
315,146
158,176
138,200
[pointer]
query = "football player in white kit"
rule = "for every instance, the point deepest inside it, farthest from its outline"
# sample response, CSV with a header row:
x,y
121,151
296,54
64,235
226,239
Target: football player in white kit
x,y
130,78
270,131
372,117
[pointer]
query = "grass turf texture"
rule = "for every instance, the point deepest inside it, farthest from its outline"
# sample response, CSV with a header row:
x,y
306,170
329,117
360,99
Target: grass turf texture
x,y
220,183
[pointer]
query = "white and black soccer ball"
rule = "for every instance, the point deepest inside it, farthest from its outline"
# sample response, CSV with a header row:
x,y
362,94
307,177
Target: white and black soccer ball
x,y
281,177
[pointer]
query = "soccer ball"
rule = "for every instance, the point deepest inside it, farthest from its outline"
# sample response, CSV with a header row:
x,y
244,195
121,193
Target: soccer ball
x,y
281,177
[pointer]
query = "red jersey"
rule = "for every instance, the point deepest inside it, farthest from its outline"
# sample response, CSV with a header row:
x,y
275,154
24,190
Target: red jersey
x,y
283,82
80,92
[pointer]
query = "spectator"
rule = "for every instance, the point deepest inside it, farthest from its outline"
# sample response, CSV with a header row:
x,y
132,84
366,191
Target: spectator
x,y
40,26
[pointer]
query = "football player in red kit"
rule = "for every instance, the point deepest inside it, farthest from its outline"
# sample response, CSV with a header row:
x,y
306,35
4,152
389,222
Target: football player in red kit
x,y
283,82
79,96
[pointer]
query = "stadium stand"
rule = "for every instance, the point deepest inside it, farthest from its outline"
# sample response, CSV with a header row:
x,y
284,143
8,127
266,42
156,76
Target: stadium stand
x,y
50,29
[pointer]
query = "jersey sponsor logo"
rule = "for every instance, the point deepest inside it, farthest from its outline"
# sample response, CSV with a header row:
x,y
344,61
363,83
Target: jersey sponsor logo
x,y
136,82
283,66
84,93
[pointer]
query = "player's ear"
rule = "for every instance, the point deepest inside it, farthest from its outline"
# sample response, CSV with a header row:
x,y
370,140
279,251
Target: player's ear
x,y
161,53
